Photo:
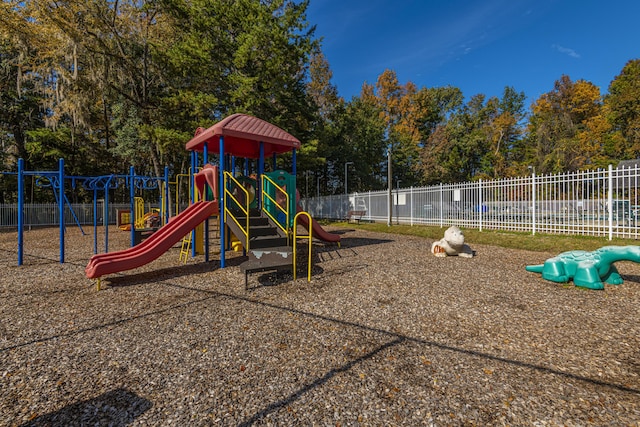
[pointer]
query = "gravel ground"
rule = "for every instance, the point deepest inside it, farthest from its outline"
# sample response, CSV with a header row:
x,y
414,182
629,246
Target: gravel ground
x,y
384,334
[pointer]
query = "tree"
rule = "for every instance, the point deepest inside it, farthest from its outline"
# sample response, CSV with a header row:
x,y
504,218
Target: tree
x,y
504,131
270,62
557,119
328,107
478,139
623,110
159,69
362,141
319,87
19,110
401,112
246,56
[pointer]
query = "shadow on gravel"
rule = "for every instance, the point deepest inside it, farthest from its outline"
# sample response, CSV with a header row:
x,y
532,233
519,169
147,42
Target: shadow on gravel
x,y
630,278
30,259
125,278
117,408
388,340
276,278
354,242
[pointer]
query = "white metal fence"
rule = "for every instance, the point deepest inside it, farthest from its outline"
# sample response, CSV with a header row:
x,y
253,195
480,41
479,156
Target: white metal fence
x,y
598,203
46,214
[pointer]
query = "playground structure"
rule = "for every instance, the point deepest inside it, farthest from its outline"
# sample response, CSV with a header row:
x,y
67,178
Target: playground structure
x,y
262,212
163,239
57,181
265,224
155,245
143,220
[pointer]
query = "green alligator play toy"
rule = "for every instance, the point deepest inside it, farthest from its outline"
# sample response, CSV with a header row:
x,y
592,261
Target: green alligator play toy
x,y
587,269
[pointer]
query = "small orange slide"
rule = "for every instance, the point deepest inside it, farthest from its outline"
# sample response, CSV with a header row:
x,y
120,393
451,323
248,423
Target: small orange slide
x,y
157,244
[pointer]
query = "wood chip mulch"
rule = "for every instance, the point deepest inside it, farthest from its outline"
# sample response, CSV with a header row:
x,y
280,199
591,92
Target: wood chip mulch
x,y
384,334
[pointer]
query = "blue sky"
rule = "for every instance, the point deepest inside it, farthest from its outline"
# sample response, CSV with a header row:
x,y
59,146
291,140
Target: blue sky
x,y
478,46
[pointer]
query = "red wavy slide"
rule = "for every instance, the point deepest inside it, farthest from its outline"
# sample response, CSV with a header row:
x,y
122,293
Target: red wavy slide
x,y
157,244
318,231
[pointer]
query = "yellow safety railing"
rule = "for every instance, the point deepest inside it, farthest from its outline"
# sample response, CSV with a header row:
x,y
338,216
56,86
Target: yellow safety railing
x,y
284,210
309,236
177,184
244,207
138,206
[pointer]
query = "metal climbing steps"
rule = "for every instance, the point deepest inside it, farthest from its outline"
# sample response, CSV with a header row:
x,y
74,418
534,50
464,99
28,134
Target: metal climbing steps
x,y
269,248
185,248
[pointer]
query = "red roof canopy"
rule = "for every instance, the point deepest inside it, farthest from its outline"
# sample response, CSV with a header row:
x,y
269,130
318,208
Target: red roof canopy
x,y
242,137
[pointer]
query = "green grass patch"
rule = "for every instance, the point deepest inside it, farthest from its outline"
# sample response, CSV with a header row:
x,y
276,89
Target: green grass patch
x,y
507,239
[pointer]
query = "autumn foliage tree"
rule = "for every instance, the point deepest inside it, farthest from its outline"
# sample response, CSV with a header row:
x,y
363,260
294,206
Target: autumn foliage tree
x,y
557,122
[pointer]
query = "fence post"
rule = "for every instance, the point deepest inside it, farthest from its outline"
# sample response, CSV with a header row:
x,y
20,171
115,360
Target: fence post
x,y
533,203
610,201
411,206
480,202
441,208
331,206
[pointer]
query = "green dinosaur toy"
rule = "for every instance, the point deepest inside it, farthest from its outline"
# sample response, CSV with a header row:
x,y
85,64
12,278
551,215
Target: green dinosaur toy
x,y
587,269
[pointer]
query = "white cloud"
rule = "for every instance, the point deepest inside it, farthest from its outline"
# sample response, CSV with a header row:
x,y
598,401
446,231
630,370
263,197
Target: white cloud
x,y
567,51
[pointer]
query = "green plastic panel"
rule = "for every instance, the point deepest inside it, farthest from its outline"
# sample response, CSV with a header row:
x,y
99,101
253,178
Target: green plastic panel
x,y
288,182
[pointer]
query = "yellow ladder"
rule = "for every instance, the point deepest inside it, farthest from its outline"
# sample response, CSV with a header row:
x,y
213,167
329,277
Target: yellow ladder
x,y
186,247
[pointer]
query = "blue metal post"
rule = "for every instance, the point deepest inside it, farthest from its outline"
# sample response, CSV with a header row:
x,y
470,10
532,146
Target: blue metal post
x,y
260,172
132,196
20,210
261,158
61,206
105,219
221,204
294,169
192,185
274,162
166,195
95,220
192,194
194,165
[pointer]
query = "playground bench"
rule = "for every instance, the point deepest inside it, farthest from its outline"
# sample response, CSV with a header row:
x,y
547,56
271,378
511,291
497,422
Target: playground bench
x,y
355,216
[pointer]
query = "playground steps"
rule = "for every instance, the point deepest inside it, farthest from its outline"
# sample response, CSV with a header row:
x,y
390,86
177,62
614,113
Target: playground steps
x,y
214,226
185,248
269,248
262,232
